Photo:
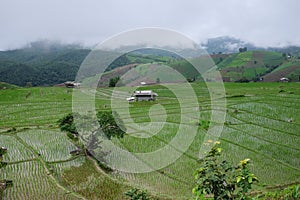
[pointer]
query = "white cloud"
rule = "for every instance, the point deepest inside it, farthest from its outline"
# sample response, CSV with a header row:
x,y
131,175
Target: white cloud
x,y
266,23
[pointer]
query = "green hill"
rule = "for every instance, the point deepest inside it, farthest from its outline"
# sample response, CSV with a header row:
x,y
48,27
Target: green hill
x,y
236,67
50,64
41,65
45,64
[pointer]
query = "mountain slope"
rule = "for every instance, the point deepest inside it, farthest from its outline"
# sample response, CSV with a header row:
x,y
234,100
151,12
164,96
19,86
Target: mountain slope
x,y
249,65
41,65
290,70
45,63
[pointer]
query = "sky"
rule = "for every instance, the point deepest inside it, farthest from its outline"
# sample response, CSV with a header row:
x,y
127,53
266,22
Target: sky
x,y
89,22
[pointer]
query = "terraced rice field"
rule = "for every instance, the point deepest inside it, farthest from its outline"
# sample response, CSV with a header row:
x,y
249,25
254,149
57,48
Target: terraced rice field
x,y
32,160
262,123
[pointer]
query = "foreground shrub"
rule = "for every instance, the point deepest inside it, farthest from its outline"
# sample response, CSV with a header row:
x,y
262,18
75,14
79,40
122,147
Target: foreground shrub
x,y
137,194
221,179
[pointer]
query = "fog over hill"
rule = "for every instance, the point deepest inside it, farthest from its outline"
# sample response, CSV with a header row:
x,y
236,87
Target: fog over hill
x,y
224,44
265,23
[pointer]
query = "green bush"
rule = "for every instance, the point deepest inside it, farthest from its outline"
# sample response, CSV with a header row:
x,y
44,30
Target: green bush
x,y
221,179
108,123
2,164
137,194
67,124
113,81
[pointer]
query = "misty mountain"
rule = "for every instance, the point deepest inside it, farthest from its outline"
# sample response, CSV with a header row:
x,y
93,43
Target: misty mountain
x,y
46,63
41,63
226,44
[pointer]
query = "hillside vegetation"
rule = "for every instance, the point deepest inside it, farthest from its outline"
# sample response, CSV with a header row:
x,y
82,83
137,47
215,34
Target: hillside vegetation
x,y
40,66
236,67
49,64
250,65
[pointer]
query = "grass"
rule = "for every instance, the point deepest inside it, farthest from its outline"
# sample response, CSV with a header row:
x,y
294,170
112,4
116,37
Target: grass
x,y
261,124
27,107
90,183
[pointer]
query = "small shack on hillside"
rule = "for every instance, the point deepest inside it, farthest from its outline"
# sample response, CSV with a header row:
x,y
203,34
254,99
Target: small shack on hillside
x,y
143,95
72,84
283,79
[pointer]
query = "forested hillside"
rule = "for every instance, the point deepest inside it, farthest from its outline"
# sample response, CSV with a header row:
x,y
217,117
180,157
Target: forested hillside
x,y
40,65
46,63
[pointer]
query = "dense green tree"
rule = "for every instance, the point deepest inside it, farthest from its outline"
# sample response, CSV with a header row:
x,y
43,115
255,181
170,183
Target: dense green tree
x,y
242,49
111,124
157,80
113,81
67,123
222,179
137,194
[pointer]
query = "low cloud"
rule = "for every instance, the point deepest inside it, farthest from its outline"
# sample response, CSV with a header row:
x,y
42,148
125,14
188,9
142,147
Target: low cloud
x,y
264,23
